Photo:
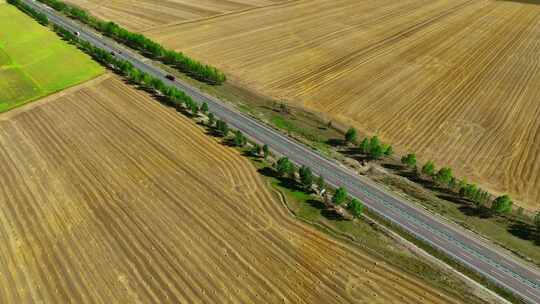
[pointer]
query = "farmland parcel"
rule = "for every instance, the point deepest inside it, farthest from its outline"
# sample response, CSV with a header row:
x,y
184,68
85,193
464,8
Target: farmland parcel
x,y
110,197
34,62
145,14
456,81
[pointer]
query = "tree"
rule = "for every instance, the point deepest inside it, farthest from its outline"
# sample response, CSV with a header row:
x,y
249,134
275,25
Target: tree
x,y
537,222
444,176
146,80
461,185
157,84
340,196
283,166
453,183
351,135
266,151
388,151
374,142
239,139
222,128
469,191
364,146
376,152
194,108
135,76
204,108
356,207
306,177
428,168
409,160
502,204
211,119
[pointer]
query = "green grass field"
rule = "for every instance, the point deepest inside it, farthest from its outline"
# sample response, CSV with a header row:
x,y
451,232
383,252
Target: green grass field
x,y
35,62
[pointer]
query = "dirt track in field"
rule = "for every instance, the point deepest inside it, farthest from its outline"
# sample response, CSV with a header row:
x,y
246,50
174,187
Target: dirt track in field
x,y
108,197
140,15
456,81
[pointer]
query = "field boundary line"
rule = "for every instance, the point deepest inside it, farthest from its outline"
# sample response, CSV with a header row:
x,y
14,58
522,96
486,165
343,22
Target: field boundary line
x,y
238,12
52,97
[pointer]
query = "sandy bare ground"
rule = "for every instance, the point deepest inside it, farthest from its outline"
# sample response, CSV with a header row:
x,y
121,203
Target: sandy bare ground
x,y
140,15
456,81
108,197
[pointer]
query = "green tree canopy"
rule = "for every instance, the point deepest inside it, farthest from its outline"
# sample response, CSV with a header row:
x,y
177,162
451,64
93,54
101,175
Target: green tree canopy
x,y
502,204
388,151
211,119
239,139
428,168
284,166
204,108
351,135
409,160
222,128
374,142
306,177
444,176
356,207
364,146
340,196
376,152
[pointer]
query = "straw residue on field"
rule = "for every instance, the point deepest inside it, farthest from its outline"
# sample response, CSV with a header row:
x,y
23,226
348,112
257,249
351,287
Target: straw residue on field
x,y
144,14
456,81
109,197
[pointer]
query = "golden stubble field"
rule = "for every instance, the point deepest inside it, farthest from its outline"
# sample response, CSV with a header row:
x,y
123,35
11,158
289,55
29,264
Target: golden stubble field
x,y
108,197
140,15
456,81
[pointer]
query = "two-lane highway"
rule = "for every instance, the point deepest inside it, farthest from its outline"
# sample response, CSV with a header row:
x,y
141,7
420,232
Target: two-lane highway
x,y
521,279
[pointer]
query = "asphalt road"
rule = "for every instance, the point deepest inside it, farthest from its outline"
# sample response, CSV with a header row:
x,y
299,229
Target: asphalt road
x,y
521,279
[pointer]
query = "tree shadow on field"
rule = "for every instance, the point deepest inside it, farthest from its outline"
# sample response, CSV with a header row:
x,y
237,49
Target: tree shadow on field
x,y
213,132
335,142
332,215
393,167
267,171
523,230
474,211
316,204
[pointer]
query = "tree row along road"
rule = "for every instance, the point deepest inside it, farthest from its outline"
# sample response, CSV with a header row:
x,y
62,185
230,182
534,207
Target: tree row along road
x,y
521,279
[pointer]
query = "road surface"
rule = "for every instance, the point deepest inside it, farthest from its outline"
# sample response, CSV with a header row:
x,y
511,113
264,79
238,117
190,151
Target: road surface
x,y
456,242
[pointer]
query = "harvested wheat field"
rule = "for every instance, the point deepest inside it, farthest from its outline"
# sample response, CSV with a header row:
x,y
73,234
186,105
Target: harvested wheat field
x,y
140,15
108,197
456,81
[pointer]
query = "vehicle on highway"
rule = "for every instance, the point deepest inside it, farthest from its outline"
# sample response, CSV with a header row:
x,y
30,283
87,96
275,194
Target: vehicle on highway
x,y
170,77
77,33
